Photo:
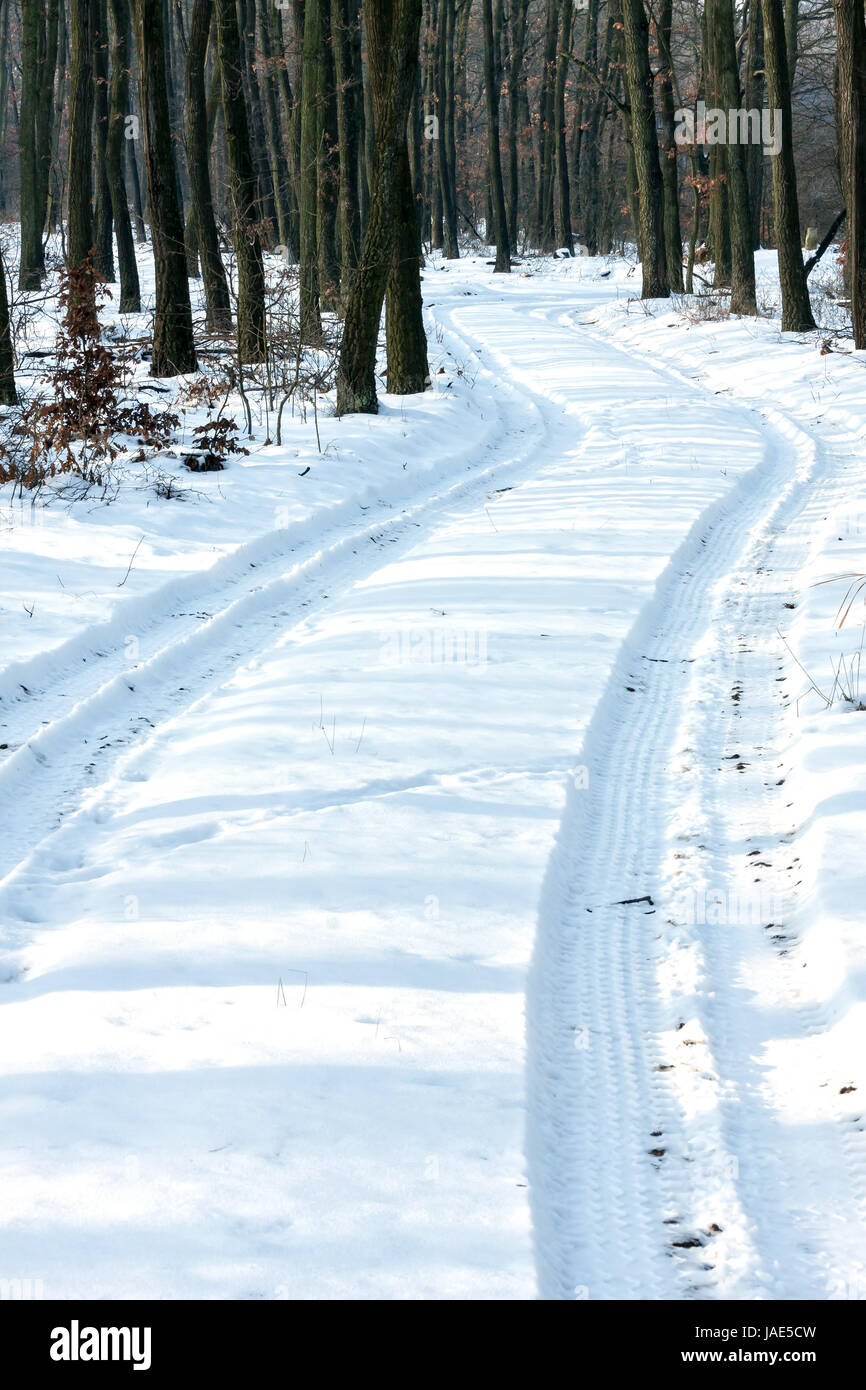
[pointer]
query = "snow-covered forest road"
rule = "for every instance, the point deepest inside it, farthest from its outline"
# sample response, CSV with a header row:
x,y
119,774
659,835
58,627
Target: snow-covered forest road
x,y
449,893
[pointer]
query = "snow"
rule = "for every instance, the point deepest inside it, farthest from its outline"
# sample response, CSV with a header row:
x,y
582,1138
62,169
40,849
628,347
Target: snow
x,y
323,817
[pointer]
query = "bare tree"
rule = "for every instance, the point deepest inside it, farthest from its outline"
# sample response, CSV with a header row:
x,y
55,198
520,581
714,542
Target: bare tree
x,y
392,32
247,232
796,308
851,39
173,344
651,238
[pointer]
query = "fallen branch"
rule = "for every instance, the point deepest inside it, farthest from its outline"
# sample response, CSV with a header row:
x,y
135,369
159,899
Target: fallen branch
x,y
813,260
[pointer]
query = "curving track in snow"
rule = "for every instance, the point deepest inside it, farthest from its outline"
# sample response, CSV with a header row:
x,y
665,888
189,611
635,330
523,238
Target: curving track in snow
x,y
673,1152
677,1149
91,702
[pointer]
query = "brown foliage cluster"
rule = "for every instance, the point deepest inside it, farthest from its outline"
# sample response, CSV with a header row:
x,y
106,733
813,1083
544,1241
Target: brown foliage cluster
x,y
78,429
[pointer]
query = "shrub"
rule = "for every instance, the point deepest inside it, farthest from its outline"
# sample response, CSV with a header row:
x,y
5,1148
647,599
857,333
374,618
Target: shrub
x,y
75,426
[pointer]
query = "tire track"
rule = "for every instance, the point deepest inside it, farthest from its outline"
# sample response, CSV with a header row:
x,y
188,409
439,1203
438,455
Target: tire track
x,y
642,1183
753,967
63,766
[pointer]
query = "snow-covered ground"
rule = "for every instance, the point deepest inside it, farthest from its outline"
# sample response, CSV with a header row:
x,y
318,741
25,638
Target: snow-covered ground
x,y
433,875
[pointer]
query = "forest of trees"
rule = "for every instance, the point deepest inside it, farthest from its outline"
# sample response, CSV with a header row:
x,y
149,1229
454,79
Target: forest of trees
x,y
349,136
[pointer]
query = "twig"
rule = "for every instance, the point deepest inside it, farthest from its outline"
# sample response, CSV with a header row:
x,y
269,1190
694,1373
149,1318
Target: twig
x,y
816,688
129,566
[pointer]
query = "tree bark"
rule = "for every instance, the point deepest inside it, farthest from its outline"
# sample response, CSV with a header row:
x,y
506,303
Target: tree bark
x,y
743,299
242,178
273,131
328,191
4,94
173,345
311,135
588,155
719,218
266,205
563,188
79,242
345,33
392,34
646,151
792,44
102,211
545,230
288,99
368,143
851,44
31,265
135,182
670,178
130,294
518,44
753,100
8,394
494,165
446,144
218,304
796,308
45,110
405,338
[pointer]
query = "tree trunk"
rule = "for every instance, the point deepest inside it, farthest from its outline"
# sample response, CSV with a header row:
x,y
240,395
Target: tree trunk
x,y
45,122
429,120
405,338
446,143
416,155
588,152
218,305
172,20
289,104
311,135
4,94
792,45
31,266
79,241
670,179
102,214
242,179
369,142
606,202
328,191
345,33
273,130
545,231
8,395
719,220
753,100
851,43
59,103
646,151
392,35
518,44
563,188
173,345
266,207
742,256
796,308
494,166
130,296
137,203
360,119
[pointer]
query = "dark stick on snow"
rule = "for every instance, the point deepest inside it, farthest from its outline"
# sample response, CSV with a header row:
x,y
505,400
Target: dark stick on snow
x,y
813,260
